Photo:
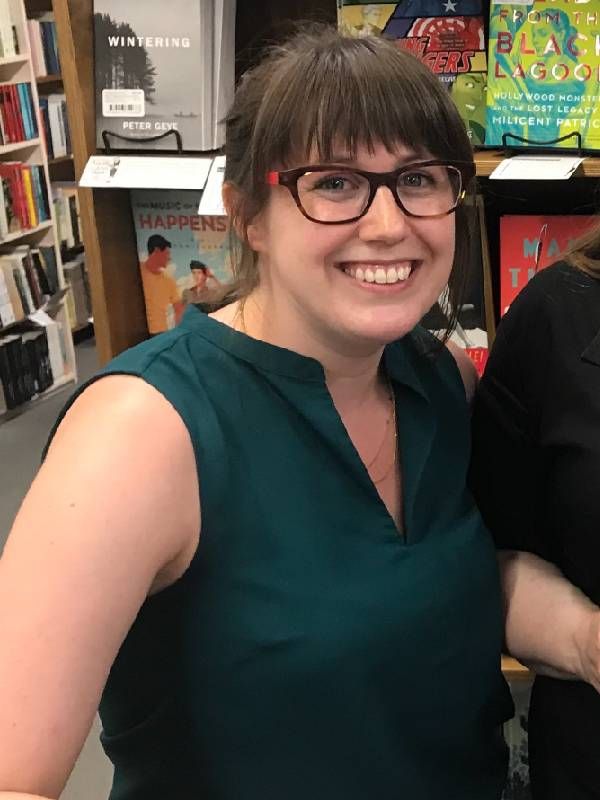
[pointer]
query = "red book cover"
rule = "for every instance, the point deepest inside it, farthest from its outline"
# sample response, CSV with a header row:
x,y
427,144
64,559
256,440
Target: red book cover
x,y
16,104
7,116
14,172
4,113
531,243
11,113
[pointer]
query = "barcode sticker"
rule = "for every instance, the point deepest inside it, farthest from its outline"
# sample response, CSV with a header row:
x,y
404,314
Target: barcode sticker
x,y
123,103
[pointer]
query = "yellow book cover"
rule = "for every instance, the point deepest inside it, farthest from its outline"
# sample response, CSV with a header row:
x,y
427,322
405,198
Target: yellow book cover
x,y
31,207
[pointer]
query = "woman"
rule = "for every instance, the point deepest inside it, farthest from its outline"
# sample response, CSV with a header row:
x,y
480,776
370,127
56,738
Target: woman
x,y
536,460
265,564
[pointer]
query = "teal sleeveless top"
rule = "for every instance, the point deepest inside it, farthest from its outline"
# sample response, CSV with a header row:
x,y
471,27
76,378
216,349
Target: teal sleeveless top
x,y
310,651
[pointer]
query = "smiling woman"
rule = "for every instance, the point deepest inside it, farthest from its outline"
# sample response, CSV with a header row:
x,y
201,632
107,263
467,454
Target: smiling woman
x,y
279,585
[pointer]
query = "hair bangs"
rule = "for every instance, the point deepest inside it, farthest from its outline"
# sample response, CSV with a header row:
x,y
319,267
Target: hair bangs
x,y
342,99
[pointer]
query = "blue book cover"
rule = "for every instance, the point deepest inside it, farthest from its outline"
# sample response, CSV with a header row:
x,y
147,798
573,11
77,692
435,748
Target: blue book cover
x,y
31,109
182,255
24,110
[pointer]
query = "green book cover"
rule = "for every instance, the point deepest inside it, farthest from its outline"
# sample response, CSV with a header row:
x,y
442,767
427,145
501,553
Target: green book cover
x,y
544,72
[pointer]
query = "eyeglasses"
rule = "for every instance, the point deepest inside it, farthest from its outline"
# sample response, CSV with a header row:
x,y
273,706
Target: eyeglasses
x,y
333,195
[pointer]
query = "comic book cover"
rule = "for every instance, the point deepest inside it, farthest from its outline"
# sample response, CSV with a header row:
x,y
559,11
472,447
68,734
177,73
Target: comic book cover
x,y
183,256
447,35
544,72
153,72
529,243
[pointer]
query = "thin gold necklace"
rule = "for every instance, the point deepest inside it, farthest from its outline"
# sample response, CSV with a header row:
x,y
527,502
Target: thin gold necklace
x,y
386,426
393,461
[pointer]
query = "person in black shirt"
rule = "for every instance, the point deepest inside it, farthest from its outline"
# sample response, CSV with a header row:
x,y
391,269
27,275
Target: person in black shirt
x,y
535,474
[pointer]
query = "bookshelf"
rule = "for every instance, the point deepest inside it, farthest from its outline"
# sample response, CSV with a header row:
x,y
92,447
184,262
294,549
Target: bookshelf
x,y
19,69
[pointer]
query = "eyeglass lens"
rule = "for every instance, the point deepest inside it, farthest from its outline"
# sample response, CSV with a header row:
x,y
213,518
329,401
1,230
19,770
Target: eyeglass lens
x,y
340,194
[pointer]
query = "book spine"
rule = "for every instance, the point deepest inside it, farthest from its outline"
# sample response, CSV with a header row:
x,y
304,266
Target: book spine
x,y
31,111
6,29
7,377
31,206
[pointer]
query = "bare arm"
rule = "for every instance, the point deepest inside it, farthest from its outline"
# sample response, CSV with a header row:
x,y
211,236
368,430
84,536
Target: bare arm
x,y
551,626
112,516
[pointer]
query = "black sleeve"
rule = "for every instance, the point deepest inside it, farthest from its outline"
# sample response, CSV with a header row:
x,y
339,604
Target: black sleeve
x,y
507,467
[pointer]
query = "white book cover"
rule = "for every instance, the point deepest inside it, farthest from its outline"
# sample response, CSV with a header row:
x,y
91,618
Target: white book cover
x,y
223,66
57,130
37,48
7,312
150,71
55,350
6,29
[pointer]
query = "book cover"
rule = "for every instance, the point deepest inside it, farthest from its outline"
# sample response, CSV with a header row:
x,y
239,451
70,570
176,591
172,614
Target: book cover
x,y
529,243
447,35
544,72
148,69
182,255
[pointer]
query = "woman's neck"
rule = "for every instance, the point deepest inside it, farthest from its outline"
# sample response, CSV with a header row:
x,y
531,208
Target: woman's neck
x,y
352,371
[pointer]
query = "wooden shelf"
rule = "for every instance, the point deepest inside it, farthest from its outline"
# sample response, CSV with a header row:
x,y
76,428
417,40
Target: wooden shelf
x,y
513,670
486,162
41,79
20,59
13,147
14,237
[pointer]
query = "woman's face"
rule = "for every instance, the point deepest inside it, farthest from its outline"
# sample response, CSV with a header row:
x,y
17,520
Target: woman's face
x,y
312,272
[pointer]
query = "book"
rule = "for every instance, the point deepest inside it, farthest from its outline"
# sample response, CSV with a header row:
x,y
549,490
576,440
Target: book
x,y
447,36
37,48
529,243
7,312
475,328
182,255
57,123
7,31
544,73
154,72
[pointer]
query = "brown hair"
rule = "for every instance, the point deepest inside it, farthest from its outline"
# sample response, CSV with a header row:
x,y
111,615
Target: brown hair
x,y
584,253
320,89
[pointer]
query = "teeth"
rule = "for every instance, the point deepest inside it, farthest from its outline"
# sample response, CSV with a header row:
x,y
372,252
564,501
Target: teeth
x,y
379,275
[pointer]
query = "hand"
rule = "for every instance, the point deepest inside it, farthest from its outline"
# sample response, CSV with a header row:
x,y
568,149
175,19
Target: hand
x,y
588,645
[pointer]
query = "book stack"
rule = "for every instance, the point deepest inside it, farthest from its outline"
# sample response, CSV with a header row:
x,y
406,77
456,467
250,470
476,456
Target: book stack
x,y
18,119
26,364
53,109
9,41
136,59
44,48
28,278
23,197
66,212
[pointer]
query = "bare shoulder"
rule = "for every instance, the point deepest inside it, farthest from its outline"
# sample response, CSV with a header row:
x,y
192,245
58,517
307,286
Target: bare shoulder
x,y
466,368
112,516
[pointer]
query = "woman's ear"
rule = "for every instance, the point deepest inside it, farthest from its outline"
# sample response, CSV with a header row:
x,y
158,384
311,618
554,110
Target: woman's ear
x,y
253,233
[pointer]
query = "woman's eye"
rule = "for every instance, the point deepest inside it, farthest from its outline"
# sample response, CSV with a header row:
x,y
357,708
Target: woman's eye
x,y
334,183
415,180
